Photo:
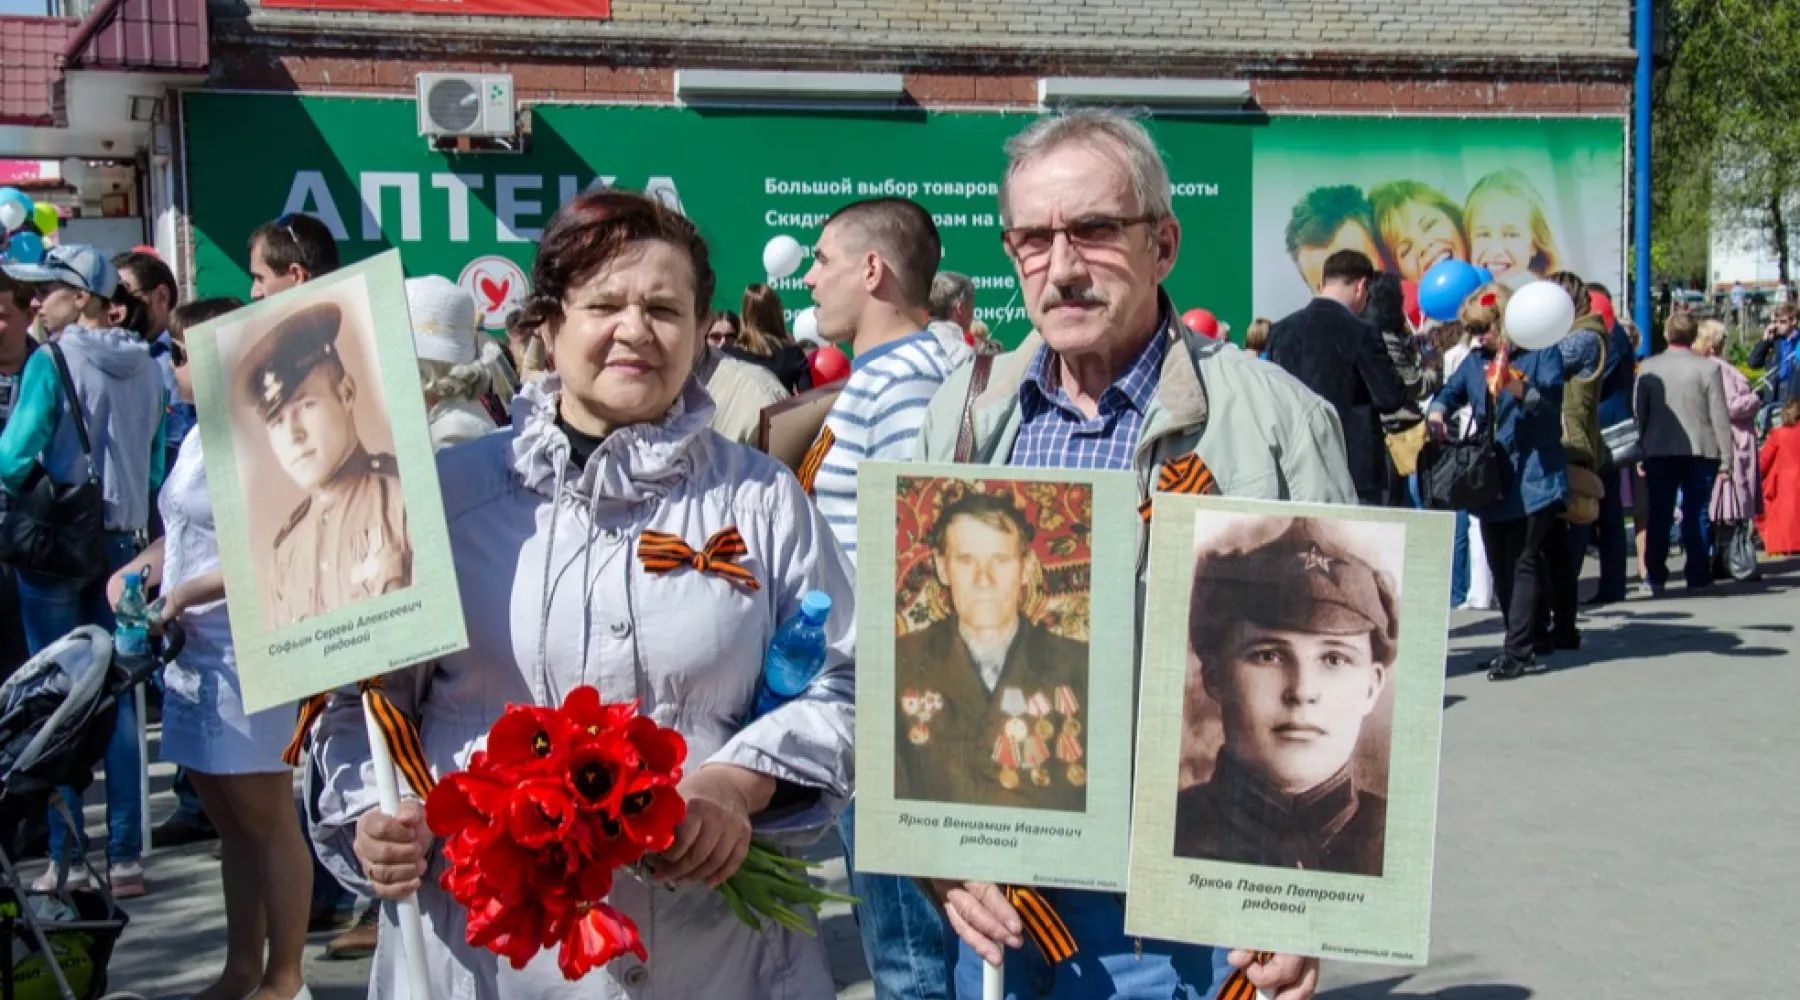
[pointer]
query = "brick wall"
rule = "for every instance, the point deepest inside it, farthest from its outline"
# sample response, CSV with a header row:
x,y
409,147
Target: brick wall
x,y
1381,56
1566,27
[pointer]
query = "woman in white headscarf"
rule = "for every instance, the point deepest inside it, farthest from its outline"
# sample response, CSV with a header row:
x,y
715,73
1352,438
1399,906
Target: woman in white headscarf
x,y
455,361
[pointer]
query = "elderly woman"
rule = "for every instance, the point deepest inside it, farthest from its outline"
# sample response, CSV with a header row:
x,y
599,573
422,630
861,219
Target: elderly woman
x,y
1737,496
546,521
1516,395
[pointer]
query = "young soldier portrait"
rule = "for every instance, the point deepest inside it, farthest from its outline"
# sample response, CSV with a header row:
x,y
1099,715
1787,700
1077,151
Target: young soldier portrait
x,y
347,540
991,705
1295,639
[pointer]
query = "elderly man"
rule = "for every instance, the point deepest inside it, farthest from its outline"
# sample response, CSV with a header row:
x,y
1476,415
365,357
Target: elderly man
x,y
1110,380
988,664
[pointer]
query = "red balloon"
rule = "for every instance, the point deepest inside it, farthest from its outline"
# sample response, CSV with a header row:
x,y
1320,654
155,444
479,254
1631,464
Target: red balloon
x,y
1602,306
828,365
1202,322
1409,291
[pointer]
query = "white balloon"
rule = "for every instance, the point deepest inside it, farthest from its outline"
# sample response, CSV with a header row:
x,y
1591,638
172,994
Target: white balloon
x,y
782,257
1538,315
806,327
12,216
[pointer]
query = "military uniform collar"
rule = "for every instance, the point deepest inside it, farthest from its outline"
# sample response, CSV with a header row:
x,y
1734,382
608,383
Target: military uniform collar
x,y
358,465
1321,811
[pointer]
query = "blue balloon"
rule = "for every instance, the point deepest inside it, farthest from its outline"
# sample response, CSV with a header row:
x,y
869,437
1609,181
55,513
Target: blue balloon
x,y
14,194
25,247
1444,287
1486,276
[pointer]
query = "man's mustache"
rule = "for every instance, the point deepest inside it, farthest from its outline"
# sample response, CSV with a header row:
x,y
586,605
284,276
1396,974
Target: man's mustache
x,y
1074,295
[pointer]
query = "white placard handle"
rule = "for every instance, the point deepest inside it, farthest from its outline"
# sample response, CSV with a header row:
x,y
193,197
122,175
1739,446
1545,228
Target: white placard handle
x,y
412,927
143,741
993,981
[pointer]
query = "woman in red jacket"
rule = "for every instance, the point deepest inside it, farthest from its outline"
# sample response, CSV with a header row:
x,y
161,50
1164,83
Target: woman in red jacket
x,y
1780,523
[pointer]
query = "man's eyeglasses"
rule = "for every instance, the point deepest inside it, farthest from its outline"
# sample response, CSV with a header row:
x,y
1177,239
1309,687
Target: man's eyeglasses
x,y
1028,244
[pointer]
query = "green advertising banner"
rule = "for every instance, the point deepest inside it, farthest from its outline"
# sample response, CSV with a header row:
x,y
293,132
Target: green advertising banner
x,y
1261,201
743,176
1518,196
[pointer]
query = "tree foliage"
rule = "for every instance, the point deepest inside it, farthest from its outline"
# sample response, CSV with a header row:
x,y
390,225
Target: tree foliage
x,y
1725,111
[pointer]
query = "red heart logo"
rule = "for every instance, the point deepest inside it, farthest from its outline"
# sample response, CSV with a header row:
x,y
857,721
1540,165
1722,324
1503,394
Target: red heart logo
x,y
495,291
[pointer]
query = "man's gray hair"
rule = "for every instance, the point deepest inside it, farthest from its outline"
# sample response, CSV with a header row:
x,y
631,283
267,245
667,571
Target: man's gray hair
x,y
950,290
1122,130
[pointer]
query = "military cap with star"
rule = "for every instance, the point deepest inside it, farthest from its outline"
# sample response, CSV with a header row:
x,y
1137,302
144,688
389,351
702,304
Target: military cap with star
x,y
1306,579
273,369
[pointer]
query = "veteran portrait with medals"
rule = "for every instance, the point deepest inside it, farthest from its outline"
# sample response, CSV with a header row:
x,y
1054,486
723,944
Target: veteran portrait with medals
x,y
348,539
1296,639
991,706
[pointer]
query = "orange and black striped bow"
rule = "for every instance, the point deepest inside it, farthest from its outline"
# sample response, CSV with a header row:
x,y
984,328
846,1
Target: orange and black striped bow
x,y
1239,987
1182,474
310,710
1042,925
399,731
402,736
661,553
808,472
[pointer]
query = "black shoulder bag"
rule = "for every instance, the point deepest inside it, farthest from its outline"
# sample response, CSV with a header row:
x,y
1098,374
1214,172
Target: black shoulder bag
x,y
1464,475
53,529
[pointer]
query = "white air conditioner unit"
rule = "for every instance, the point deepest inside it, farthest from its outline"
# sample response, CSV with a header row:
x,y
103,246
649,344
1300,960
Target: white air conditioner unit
x,y
472,104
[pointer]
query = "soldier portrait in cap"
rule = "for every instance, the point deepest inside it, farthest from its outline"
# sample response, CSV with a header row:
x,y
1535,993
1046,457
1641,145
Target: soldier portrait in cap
x,y
331,515
991,651
1292,632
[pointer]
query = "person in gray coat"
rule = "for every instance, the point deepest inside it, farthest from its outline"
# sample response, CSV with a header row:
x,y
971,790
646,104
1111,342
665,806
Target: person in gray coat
x,y
1685,432
545,523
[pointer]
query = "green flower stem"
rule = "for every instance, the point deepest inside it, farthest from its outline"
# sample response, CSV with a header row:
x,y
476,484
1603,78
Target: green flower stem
x,y
771,884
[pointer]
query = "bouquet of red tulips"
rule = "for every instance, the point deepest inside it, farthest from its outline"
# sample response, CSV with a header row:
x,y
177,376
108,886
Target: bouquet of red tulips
x,y
562,798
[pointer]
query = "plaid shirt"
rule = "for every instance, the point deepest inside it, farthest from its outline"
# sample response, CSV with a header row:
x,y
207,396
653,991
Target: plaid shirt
x,y
1054,434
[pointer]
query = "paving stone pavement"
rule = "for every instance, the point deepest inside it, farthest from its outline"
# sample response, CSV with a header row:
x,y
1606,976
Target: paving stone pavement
x,y
1621,826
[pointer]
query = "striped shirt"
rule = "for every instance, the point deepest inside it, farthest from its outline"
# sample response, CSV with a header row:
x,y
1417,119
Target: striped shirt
x,y
877,416
1053,433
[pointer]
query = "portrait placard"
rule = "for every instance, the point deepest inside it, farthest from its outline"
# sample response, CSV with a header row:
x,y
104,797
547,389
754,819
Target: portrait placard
x,y
994,673
324,488
1290,716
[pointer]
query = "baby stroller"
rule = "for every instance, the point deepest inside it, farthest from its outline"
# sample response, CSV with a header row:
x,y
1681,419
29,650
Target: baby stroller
x,y
56,715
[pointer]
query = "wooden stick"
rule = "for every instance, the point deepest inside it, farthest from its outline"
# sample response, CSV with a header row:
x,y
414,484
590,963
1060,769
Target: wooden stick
x,y
412,927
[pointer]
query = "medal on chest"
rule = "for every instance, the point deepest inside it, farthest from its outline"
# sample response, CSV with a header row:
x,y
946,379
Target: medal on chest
x,y
920,707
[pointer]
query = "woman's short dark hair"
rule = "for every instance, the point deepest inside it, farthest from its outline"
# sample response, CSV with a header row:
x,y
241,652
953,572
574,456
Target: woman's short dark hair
x,y
588,233
191,314
730,318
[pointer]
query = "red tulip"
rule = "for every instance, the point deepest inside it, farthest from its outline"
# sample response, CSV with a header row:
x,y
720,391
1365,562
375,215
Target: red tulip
x,y
541,812
651,815
660,751
526,740
593,936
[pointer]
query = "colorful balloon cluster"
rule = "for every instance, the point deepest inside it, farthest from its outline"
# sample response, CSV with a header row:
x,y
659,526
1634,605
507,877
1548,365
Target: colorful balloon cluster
x,y
25,246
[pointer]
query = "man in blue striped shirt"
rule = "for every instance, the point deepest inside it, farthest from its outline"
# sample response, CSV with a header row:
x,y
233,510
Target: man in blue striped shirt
x,y
871,282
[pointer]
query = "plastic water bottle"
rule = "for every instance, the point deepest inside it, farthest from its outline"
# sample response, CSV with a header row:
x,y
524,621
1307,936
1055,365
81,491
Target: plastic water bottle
x,y
131,633
796,655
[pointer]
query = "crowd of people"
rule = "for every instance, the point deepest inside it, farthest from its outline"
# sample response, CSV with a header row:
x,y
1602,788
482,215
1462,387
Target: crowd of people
x,y
621,403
